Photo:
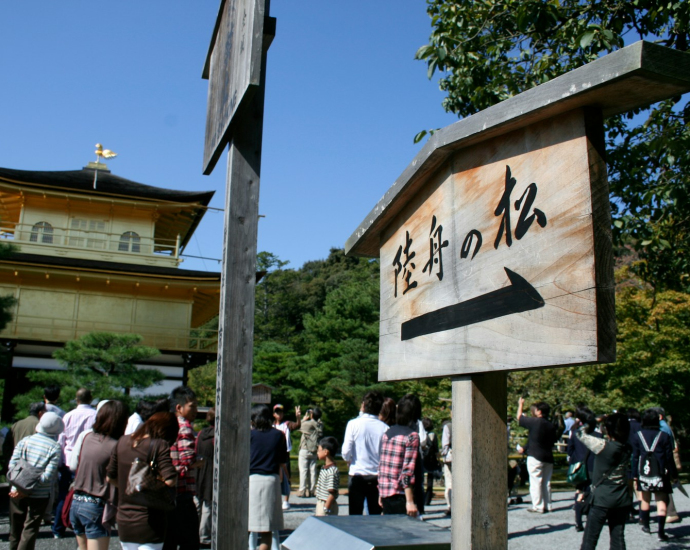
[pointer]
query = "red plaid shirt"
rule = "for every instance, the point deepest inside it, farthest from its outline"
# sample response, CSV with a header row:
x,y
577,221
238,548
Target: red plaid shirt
x,y
399,449
183,455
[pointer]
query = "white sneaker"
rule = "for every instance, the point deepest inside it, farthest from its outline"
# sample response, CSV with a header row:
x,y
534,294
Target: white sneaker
x,y
286,505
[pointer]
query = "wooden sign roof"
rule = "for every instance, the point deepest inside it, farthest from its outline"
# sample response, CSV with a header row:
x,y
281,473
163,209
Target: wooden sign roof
x,y
635,76
495,243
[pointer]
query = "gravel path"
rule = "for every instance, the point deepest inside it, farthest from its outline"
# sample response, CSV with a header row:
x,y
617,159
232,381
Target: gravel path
x,y
526,531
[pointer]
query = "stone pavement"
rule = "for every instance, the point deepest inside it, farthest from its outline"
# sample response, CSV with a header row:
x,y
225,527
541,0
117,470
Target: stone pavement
x,y
525,531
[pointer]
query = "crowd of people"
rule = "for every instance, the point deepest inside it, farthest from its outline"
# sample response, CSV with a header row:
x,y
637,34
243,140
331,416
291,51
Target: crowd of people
x,y
87,462
81,465
614,460
89,459
388,448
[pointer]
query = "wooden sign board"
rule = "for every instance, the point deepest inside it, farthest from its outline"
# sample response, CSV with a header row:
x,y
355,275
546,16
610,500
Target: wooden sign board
x,y
494,243
233,68
493,264
261,393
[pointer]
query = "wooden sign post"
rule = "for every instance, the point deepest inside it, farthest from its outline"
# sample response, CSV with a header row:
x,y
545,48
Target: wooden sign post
x,y
236,68
495,254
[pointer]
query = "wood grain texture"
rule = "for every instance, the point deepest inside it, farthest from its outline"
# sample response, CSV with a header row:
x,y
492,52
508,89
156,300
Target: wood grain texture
x,y
560,260
635,76
603,242
230,512
233,67
480,455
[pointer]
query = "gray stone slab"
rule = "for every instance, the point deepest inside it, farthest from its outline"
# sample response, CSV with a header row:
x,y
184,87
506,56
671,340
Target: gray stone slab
x,y
368,533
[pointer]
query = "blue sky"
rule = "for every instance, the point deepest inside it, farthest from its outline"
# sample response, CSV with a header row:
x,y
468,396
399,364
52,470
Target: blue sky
x,y
344,99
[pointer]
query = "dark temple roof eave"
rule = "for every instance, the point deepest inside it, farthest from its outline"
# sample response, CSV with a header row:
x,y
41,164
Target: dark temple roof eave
x,y
108,185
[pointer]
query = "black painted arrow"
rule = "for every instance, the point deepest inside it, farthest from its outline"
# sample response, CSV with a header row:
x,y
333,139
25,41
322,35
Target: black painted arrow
x,y
517,297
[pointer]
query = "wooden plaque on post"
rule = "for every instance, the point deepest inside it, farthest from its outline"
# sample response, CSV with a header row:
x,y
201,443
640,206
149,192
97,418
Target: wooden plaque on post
x,y
495,242
233,68
494,266
495,254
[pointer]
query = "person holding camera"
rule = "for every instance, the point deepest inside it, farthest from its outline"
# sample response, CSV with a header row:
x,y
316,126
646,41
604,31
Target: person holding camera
x,y
312,432
542,437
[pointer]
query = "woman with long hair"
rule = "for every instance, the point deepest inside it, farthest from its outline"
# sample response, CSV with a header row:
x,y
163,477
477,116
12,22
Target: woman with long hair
x,y
267,457
387,414
139,526
610,494
91,490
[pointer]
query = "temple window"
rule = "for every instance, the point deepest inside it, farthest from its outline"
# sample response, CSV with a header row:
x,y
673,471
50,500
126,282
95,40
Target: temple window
x,y
42,232
130,242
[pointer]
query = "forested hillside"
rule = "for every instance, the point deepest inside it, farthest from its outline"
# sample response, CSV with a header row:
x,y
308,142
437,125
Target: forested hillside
x,y
316,343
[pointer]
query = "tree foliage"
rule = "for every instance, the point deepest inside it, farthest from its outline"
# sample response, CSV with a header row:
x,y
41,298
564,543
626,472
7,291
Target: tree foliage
x,y
316,340
103,362
491,50
316,343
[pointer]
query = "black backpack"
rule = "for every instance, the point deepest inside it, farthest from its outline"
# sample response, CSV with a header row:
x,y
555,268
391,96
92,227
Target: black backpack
x,y
649,472
430,453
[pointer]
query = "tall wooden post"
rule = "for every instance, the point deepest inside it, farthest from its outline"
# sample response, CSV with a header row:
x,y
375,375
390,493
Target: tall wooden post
x,y
236,111
236,335
480,456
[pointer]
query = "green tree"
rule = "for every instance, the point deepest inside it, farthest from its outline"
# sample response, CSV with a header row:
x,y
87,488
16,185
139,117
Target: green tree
x,y
203,381
491,50
104,362
340,362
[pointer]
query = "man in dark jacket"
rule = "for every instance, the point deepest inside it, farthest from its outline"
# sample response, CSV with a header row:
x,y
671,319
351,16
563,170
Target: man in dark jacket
x,y
205,442
542,437
21,429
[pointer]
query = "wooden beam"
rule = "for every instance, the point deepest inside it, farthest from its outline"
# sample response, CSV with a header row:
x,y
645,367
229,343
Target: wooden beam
x,y
480,458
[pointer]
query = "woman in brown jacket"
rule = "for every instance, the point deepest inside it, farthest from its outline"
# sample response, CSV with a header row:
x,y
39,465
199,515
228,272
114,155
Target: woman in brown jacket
x,y
137,524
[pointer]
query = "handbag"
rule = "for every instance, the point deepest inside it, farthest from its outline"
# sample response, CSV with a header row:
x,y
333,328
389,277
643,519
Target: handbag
x,y
578,473
23,475
67,506
146,487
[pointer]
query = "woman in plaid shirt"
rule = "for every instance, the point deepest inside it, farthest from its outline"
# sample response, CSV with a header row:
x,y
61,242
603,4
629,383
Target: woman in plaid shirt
x,y
399,464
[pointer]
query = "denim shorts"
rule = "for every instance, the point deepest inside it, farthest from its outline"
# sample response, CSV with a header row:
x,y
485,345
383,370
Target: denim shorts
x,y
86,518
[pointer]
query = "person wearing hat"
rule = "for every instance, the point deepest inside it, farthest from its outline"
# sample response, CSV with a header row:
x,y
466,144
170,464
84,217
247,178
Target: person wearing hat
x,y
42,451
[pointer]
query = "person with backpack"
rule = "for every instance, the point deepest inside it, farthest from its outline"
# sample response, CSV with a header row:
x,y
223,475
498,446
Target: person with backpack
x,y
28,505
312,432
430,459
653,469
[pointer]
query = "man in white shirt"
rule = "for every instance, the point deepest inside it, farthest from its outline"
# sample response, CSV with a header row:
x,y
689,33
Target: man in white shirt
x,y
76,421
361,446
